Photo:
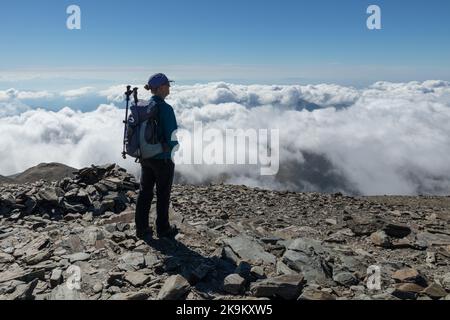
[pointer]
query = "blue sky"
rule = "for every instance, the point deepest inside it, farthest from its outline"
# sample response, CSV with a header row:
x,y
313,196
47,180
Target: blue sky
x,y
242,41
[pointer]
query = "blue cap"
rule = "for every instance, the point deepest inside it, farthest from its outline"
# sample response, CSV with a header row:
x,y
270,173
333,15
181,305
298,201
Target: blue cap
x,y
158,80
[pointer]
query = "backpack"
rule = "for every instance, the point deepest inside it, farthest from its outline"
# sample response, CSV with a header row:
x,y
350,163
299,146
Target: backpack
x,y
143,138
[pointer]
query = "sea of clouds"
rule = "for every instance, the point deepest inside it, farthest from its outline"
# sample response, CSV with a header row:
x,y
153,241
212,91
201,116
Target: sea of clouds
x,y
388,138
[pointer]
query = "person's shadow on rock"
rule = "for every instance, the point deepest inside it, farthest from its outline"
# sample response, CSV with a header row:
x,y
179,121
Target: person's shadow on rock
x,y
205,274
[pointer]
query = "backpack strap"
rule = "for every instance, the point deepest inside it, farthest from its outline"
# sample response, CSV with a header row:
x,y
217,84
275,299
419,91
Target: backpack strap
x,y
164,143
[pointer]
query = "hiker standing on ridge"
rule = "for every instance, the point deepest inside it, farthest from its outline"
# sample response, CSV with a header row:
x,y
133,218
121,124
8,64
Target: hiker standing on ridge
x,y
159,169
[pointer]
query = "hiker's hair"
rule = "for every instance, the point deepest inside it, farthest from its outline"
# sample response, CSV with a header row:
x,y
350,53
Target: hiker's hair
x,y
153,90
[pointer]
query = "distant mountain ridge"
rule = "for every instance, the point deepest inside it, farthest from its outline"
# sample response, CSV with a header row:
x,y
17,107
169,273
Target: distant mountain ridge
x,y
4,179
47,171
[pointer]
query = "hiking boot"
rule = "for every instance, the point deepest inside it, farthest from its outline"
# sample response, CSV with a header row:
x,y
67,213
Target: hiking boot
x,y
171,232
144,234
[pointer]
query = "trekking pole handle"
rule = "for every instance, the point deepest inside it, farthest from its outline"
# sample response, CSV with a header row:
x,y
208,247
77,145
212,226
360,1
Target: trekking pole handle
x,y
128,92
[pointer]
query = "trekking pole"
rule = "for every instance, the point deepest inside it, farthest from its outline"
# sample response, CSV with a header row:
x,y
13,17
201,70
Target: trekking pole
x,y
135,95
127,94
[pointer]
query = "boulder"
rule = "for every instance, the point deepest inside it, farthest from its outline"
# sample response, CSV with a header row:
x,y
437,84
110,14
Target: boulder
x,y
234,284
346,279
315,294
407,291
79,256
308,257
249,250
175,288
435,291
287,287
381,239
24,291
140,295
409,275
132,260
137,279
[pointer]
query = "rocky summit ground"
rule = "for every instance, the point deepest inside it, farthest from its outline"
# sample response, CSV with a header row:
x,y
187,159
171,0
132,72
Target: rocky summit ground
x,y
235,242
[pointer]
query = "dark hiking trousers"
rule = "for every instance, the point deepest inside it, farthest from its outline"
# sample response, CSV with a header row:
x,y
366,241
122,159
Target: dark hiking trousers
x,y
159,172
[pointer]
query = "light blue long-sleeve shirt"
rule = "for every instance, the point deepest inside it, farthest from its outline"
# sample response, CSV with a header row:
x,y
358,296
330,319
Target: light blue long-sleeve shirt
x,y
168,124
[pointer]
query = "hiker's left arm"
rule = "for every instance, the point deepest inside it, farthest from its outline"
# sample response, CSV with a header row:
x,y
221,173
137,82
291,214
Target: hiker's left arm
x,y
170,126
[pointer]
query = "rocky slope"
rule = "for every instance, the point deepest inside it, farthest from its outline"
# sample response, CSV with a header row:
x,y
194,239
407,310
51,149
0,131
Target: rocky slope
x,y
235,242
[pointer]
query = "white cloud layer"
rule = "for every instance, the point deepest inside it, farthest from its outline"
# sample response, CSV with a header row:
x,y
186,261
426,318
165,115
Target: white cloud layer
x,y
76,93
389,138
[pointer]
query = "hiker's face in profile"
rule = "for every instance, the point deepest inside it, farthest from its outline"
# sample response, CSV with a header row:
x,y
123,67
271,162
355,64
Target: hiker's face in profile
x,y
164,90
